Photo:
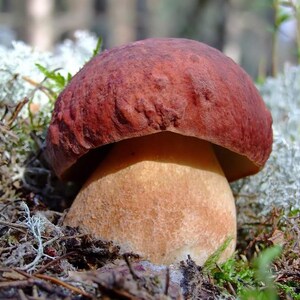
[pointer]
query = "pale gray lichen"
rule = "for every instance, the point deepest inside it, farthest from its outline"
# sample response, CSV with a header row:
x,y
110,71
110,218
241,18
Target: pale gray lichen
x,y
31,248
278,184
73,54
282,95
18,66
20,82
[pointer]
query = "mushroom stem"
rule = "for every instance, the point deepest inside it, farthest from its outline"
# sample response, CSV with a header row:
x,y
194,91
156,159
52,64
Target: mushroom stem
x,y
162,196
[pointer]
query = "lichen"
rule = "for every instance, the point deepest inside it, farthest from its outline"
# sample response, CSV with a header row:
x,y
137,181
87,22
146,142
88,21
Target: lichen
x,y
278,184
22,84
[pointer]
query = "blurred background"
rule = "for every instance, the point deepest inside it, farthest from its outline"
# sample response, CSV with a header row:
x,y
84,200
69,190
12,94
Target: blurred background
x,y
243,29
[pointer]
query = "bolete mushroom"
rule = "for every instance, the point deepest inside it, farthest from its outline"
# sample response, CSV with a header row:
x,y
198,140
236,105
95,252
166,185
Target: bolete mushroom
x,y
182,120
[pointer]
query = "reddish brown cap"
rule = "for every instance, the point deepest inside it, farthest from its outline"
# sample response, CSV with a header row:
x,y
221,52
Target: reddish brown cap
x,y
145,87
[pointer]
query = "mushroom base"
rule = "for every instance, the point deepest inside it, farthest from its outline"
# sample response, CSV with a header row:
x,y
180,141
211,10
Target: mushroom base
x,y
163,196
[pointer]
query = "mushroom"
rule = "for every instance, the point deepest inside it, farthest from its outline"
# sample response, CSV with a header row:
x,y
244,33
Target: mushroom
x,y
160,126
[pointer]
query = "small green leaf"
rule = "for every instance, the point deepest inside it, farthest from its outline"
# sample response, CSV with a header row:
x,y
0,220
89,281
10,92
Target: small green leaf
x,y
69,77
263,270
55,76
263,262
98,47
214,258
281,18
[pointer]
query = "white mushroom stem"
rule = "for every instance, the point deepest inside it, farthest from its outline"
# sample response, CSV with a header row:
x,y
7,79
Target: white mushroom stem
x,y
163,196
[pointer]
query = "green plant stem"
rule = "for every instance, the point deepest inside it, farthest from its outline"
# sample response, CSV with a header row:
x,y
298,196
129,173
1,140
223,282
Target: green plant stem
x,y
275,39
296,12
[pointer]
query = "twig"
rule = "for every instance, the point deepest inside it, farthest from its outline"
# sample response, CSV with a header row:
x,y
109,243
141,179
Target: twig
x,y
233,292
75,236
38,141
11,284
63,284
133,274
53,262
32,278
167,281
19,227
6,130
17,110
39,86
22,295
33,282
51,241
113,293
8,204
250,196
22,273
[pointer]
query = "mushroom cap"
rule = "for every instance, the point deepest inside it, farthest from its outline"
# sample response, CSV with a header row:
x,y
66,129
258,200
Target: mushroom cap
x,y
154,85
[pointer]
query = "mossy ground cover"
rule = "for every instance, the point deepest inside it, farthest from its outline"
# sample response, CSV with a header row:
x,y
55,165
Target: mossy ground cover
x,y
42,259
